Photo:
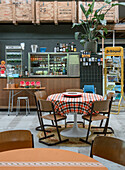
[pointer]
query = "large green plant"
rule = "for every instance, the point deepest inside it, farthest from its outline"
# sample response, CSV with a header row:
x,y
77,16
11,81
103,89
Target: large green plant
x,y
93,20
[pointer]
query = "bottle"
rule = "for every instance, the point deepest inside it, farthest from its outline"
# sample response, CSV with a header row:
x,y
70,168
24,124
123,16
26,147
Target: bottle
x,y
69,47
72,47
26,71
57,47
61,47
66,47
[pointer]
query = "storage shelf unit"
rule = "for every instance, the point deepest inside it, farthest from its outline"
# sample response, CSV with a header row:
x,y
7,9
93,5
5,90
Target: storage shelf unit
x,y
13,56
114,76
53,64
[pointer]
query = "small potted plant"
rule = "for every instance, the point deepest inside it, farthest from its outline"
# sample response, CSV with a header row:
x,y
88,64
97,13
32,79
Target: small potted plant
x,y
38,84
27,84
32,84
89,29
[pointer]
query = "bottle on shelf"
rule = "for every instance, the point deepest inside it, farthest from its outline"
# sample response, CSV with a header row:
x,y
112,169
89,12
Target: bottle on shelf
x,y
69,47
26,71
66,47
72,47
57,47
61,47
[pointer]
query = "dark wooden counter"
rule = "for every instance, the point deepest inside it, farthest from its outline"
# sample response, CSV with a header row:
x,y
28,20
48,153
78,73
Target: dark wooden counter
x,y
53,85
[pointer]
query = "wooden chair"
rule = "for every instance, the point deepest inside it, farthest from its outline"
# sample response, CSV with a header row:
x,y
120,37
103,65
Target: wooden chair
x,y
46,106
109,148
109,97
102,107
74,90
15,139
41,95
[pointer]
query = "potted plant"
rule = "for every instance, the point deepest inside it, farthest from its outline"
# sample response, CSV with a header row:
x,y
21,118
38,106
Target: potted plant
x,y
90,33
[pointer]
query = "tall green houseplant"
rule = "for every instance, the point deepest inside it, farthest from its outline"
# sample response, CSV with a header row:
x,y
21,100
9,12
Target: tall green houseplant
x,y
90,33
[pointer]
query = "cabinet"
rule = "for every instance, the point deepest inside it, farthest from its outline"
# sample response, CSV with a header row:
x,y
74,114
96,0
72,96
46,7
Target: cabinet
x,y
114,75
53,64
13,57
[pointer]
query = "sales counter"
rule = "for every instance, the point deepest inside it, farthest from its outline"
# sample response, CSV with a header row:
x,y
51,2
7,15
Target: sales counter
x,y
52,84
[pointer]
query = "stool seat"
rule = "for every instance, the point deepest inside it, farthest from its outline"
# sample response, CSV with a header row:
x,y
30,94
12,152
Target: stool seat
x,y
27,104
22,98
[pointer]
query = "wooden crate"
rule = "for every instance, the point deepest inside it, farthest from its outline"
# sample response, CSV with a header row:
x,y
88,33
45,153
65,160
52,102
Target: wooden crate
x,y
24,11
6,11
111,16
55,11
17,11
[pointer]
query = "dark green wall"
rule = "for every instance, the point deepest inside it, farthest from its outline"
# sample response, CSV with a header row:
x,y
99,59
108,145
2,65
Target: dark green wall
x,y
43,35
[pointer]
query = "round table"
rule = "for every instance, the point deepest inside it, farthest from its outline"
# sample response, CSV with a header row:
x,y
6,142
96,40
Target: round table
x,y
64,105
47,159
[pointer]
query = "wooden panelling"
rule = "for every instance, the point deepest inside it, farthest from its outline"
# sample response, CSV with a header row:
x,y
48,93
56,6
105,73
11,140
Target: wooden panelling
x,y
53,85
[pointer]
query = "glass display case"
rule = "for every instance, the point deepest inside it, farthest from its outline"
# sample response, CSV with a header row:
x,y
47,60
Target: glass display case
x,y
53,64
13,56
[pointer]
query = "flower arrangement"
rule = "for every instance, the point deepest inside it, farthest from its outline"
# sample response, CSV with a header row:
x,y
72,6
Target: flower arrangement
x,y
22,84
38,84
32,84
27,84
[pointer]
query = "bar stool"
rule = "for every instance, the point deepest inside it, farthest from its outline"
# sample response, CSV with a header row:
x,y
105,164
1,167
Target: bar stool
x,y
27,105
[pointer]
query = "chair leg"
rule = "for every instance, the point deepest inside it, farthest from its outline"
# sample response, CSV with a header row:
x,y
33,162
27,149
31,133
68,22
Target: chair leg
x,y
86,140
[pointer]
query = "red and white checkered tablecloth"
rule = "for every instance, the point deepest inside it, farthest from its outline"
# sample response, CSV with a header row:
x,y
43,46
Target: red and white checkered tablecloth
x,y
64,105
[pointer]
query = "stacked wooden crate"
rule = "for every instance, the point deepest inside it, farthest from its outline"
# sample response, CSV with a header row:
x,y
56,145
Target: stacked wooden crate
x,y
17,11
55,11
24,11
6,11
111,16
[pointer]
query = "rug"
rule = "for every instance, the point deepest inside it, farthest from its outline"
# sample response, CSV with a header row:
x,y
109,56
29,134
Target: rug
x,y
73,142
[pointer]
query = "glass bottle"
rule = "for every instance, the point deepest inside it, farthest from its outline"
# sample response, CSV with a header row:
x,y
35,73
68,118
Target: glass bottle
x,y
57,47
69,47
66,47
61,47
72,47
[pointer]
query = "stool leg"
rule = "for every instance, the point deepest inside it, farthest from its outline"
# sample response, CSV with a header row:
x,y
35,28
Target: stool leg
x,y
17,109
19,106
28,107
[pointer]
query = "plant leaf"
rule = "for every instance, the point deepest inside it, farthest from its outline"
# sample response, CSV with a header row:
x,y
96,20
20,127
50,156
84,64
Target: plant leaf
x,y
105,30
82,42
108,1
121,3
103,22
77,35
83,9
101,32
76,24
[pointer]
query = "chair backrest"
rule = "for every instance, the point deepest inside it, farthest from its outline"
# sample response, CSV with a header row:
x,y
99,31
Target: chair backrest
x,y
45,106
102,106
89,89
109,148
15,139
110,95
40,95
74,90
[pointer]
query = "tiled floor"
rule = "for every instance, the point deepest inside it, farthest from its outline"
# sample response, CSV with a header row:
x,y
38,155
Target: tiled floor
x,y
30,122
